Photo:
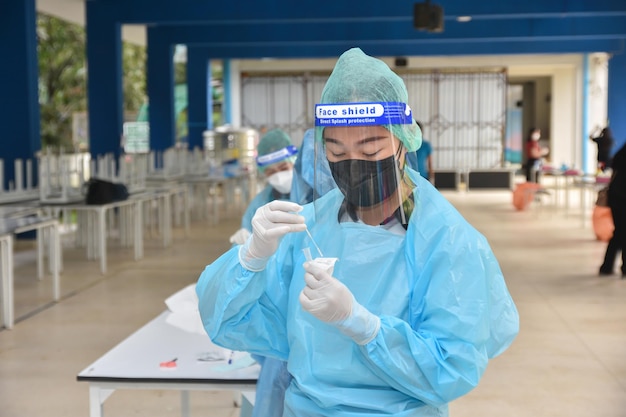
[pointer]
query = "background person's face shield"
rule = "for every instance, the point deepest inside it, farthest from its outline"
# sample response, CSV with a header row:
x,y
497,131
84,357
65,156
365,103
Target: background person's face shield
x,y
275,158
366,159
278,168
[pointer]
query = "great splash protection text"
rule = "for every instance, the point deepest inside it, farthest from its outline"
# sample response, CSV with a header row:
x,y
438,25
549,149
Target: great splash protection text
x,y
362,114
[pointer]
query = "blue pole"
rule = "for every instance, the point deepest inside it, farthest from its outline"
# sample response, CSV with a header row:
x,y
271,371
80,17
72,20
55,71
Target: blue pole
x,y
209,96
160,87
198,113
19,100
617,98
104,84
226,86
585,115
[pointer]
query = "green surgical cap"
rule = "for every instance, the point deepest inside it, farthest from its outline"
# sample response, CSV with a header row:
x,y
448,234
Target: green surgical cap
x,y
359,78
273,141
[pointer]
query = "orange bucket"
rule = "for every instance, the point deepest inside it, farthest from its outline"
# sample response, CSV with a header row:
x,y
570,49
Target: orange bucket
x,y
602,221
524,194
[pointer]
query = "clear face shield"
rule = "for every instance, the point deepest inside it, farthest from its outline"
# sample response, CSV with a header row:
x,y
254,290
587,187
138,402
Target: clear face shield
x,y
366,158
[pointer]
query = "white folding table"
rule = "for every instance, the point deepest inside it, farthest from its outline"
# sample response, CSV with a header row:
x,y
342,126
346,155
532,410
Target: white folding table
x,y
135,364
96,226
45,228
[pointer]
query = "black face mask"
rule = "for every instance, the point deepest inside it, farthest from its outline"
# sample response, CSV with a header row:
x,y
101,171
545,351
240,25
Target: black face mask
x,y
365,183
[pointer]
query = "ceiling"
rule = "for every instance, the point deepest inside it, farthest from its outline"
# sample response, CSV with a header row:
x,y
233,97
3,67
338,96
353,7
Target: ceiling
x,y
310,28
74,11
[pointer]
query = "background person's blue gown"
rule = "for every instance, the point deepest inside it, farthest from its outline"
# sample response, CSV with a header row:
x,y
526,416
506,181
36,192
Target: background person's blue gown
x,y
418,160
439,292
274,377
309,173
261,199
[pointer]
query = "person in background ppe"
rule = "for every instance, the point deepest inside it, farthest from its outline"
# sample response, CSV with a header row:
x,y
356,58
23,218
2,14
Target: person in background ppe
x,y
276,155
422,159
274,377
311,173
416,304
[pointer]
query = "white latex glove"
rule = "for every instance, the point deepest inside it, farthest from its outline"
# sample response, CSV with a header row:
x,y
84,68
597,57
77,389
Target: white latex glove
x,y
270,223
240,236
330,301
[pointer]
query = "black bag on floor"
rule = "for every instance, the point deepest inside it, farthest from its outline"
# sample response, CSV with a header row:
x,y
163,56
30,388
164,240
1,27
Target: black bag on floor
x,y
104,192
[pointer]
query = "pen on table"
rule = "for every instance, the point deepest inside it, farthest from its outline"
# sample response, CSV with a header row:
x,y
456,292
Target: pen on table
x,y
230,358
169,364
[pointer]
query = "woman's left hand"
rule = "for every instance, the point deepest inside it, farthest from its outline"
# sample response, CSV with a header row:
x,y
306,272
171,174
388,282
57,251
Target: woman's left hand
x,y
325,296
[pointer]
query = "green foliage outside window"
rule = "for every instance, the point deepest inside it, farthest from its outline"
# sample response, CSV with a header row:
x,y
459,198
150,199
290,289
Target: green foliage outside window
x,y
63,78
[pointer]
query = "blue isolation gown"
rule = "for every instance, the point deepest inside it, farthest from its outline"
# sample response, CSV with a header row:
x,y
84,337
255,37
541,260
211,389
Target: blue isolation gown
x,y
274,377
438,290
265,196
310,175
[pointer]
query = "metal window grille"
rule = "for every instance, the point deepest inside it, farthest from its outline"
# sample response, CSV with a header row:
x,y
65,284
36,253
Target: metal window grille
x,y
462,111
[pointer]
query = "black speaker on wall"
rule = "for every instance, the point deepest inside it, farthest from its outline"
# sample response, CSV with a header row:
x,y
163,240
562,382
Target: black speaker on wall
x,y
428,17
401,62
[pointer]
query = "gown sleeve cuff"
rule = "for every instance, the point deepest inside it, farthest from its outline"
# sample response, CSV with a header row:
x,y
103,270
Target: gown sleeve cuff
x,y
249,262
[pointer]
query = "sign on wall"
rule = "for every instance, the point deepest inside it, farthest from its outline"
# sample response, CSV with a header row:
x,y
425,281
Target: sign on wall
x,y
136,137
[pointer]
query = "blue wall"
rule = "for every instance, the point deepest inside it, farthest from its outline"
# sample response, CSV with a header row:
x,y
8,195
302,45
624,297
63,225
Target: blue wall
x,y
617,98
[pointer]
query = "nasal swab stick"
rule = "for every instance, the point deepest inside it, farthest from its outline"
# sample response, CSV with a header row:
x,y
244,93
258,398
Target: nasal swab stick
x,y
314,244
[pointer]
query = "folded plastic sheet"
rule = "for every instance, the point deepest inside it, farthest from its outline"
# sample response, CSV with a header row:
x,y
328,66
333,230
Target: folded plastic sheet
x,y
184,307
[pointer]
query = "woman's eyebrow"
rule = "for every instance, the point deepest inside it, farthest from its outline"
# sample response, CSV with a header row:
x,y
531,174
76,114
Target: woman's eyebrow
x,y
358,142
371,139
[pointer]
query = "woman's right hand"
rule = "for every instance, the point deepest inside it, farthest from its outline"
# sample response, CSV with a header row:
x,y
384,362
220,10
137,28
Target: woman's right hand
x,y
270,223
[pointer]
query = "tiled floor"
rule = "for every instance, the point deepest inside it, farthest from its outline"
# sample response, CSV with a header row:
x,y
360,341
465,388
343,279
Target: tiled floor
x,y
568,360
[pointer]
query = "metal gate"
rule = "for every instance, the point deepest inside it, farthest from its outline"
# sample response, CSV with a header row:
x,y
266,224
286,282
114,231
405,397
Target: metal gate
x,y
284,102
463,114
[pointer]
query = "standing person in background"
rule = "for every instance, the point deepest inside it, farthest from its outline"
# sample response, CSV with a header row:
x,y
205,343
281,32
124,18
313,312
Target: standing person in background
x,y
605,143
617,203
422,159
534,153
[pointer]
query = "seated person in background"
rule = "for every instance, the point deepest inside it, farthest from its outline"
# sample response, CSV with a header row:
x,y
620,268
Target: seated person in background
x,y
311,177
311,174
275,160
276,155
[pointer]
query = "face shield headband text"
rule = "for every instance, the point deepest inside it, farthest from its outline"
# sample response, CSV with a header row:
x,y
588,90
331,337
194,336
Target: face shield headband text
x,y
363,114
276,156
